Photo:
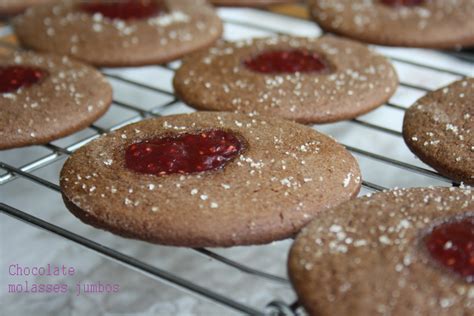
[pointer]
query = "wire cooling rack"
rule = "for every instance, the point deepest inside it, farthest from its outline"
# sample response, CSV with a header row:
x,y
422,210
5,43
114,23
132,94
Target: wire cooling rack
x,y
375,139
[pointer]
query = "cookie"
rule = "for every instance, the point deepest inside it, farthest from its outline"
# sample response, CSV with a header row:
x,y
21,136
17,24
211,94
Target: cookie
x,y
250,3
308,80
413,23
208,179
439,129
120,33
401,252
46,97
12,7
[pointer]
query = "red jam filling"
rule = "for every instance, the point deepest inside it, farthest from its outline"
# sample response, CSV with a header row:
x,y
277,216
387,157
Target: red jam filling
x,y
13,78
281,61
184,153
405,3
124,9
452,245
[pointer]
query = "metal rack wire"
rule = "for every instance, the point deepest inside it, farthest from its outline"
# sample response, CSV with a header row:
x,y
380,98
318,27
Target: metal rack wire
x,y
56,153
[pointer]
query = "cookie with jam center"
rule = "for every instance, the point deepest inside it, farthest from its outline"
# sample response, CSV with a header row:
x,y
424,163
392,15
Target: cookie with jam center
x,y
46,97
308,80
439,129
208,179
401,252
120,33
412,23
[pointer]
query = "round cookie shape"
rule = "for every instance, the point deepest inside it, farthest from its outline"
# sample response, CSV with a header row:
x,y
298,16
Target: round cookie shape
x,y
439,129
250,3
282,176
12,7
371,256
352,81
57,97
124,34
412,23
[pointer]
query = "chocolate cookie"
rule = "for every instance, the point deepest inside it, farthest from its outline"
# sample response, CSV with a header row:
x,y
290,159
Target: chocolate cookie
x,y
402,252
120,33
250,3
12,7
208,179
414,23
439,129
46,97
308,80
